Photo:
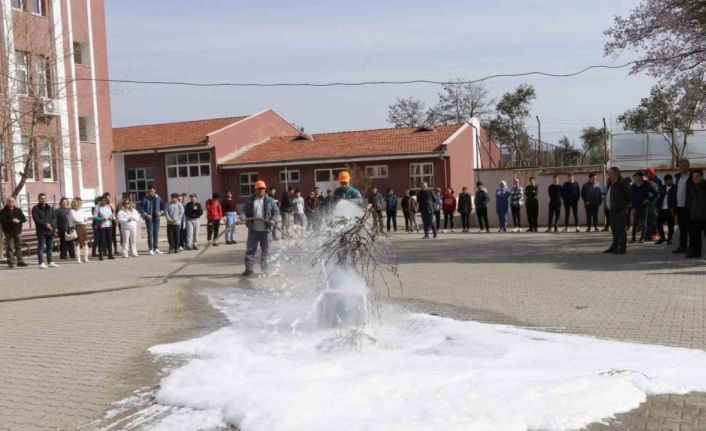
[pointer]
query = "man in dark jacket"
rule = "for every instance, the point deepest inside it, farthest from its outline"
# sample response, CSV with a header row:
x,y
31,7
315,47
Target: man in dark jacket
x,y
681,182
193,211
391,209
696,202
426,200
151,209
11,219
532,204
286,209
44,218
570,194
554,192
404,203
642,193
617,201
465,206
591,193
666,202
481,200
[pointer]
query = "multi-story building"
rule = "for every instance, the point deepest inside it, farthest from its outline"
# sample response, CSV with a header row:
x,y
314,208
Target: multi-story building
x,y
56,120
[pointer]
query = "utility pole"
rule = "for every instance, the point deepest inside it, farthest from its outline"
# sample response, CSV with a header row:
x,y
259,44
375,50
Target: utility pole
x,y
539,141
605,143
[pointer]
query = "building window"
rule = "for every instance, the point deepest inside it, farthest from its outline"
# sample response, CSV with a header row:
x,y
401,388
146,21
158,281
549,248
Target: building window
x,y
22,71
85,129
289,176
81,54
182,165
139,180
42,71
19,5
39,7
377,171
46,160
247,183
421,173
24,149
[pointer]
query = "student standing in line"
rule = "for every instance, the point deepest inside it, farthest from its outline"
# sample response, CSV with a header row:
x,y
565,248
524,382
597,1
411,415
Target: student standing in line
x,y
554,192
517,200
532,204
12,218
183,199
666,202
696,201
174,213
231,215
413,210
427,201
570,194
592,195
391,210
465,206
502,205
78,217
214,214
481,200
64,225
151,209
128,218
438,201
298,207
449,207
193,212
105,218
404,203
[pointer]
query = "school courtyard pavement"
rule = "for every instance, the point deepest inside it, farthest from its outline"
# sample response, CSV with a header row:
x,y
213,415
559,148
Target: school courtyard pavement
x,y
73,340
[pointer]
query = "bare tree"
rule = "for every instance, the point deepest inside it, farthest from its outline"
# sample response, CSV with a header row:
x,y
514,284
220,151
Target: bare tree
x,y
27,86
410,112
459,102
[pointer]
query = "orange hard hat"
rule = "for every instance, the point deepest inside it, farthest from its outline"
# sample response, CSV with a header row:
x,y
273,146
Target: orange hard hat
x,y
260,185
344,176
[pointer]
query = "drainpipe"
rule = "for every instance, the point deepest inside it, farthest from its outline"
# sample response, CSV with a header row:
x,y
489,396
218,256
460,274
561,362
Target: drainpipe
x,y
446,175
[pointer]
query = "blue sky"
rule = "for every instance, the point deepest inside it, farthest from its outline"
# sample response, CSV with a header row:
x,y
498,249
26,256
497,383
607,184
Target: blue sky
x,y
319,41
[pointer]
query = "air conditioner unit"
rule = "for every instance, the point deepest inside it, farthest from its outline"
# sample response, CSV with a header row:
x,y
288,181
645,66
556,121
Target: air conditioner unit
x,y
48,107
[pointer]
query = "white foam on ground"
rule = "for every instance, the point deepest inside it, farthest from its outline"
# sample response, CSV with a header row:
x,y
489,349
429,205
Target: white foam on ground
x,y
424,373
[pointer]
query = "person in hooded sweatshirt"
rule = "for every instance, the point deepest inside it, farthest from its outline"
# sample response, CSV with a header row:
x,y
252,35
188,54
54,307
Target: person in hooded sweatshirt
x,y
465,206
502,205
481,200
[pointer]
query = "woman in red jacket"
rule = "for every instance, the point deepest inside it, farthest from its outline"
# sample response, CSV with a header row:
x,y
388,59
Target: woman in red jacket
x,y
449,207
214,214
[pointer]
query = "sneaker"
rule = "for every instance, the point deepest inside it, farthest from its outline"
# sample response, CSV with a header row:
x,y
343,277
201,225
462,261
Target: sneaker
x,y
156,251
578,229
21,263
43,265
247,273
181,248
53,265
176,251
151,252
11,265
135,255
215,244
195,247
125,255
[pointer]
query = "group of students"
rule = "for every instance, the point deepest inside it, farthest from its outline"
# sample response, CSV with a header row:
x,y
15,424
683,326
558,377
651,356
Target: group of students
x,y
70,222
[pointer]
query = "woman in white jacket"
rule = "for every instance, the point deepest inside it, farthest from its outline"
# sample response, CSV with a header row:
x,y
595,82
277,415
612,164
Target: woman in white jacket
x,y
128,218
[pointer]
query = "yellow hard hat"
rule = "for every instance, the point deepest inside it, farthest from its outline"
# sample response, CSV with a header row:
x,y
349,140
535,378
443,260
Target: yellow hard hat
x,y
344,176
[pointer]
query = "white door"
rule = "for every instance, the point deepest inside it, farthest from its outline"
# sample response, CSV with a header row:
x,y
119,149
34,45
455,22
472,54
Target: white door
x,y
189,173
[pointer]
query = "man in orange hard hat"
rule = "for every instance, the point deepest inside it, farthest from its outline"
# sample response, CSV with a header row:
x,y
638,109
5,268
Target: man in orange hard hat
x,y
261,214
346,191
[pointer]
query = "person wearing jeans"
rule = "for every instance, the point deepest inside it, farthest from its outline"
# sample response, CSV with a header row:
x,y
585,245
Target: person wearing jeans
x,y
517,201
105,219
391,210
448,205
214,214
502,205
193,212
592,196
231,215
44,217
262,214
151,209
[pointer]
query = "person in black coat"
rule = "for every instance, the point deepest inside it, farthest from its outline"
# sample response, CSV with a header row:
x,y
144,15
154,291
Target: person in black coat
x,y
426,199
554,192
570,194
44,217
532,204
618,200
11,219
682,180
465,206
666,202
696,202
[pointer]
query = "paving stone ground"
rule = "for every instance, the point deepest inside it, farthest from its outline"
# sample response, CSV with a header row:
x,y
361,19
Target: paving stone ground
x,y
64,360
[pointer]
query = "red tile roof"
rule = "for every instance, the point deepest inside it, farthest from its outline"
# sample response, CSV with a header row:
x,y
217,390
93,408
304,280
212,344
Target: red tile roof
x,y
379,142
168,135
